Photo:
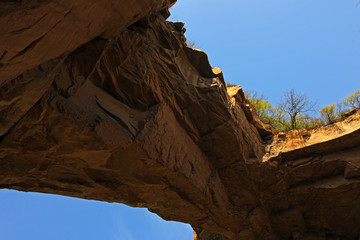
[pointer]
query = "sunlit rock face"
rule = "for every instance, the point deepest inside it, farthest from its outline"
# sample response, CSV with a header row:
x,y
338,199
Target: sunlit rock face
x,y
104,100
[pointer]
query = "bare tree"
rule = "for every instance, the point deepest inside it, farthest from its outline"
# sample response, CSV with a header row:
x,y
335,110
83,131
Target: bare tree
x,y
295,105
191,44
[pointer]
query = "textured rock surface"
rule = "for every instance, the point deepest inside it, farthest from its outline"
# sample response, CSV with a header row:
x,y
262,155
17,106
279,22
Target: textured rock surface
x,y
315,194
35,31
103,100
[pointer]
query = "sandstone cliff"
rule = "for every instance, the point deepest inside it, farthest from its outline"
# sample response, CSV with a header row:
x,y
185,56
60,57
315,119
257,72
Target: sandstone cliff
x,y
103,100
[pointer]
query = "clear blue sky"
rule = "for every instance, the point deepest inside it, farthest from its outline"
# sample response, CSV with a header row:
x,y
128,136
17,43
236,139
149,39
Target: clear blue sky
x,y
272,46
35,216
267,46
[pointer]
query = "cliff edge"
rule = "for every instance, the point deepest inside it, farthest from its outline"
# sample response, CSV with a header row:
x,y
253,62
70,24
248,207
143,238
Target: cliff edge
x,y
104,100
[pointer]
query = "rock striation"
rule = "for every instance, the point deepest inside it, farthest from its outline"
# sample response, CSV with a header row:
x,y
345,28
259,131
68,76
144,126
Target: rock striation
x,y
103,100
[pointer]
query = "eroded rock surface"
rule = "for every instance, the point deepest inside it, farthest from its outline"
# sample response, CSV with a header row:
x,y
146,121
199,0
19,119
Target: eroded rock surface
x,y
103,100
317,183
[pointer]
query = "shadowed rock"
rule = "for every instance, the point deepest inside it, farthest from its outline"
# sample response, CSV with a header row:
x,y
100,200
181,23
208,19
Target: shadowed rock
x,y
103,100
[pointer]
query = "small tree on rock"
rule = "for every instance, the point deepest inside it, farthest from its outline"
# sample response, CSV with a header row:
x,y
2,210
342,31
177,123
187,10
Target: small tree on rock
x,y
279,120
262,106
310,122
295,105
352,101
328,113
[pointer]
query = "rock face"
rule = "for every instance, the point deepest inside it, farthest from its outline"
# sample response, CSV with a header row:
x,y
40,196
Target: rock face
x,y
317,182
103,100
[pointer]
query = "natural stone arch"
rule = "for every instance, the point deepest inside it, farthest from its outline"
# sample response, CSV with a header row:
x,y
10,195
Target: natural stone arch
x,y
127,113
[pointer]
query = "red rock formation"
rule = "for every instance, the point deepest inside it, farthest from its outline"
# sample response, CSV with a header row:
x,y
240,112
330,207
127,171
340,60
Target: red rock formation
x,y
103,100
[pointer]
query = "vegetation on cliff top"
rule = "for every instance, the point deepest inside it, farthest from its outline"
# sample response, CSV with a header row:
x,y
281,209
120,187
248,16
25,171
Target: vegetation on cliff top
x,y
295,110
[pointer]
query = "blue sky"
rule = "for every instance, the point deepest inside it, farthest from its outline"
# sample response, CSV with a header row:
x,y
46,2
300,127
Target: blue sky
x,y
267,46
25,216
272,46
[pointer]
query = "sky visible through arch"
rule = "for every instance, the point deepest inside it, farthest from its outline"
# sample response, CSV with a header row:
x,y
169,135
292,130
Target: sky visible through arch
x,y
262,45
35,216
